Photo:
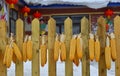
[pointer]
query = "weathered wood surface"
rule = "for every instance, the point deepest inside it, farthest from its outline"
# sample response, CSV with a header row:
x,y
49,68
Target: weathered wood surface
x,y
36,46
102,37
117,35
68,36
3,33
19,42
51,40
85,58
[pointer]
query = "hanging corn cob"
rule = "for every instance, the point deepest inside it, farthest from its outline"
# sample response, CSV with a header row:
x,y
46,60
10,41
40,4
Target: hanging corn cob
x,y
29,48
5,54
79,46
43,50
9,56
62,48
113,47
72,48
76,59
16,51
91,47
24,51
97,49
14,58
56,48
108,54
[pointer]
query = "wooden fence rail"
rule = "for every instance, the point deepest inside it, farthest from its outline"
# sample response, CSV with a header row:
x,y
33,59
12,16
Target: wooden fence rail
x,y
68,24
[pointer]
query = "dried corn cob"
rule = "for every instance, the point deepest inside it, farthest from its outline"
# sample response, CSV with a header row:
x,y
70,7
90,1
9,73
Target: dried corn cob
x,y
29,48
62,48
108,54
97,50
43,49
5,55
72,48
24,52
14,58
76,59
56,49
113,47
79,47
16,51
91,47
9,56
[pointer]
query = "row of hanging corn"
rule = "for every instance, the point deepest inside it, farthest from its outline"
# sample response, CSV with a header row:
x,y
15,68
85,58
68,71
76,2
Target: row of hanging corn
x,y
12,52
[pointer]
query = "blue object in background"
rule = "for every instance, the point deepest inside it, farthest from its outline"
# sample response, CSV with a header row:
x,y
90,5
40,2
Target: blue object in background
x,y
111,4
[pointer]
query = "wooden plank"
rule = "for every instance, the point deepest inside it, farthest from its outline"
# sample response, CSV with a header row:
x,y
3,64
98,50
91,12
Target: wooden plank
x,y
19,42
117,35
102,37
51,40
36,46
85,58
68,36
3,33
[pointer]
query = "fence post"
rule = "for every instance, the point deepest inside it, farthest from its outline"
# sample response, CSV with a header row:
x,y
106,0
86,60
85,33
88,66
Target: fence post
x,y
51,40
85,58
3,33
36,46
117,39
19,42
68,36
102,37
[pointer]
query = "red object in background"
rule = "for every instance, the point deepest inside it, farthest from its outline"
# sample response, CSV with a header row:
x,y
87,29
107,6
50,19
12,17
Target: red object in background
x,y
12,2
107,27
37,14
28,20
109,13
25,10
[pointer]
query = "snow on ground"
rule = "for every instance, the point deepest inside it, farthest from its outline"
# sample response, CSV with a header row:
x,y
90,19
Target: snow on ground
x,y
61,69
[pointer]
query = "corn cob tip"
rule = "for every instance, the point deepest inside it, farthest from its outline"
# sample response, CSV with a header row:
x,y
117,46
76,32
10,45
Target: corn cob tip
x,y
91,36
112,35
107,42
62,37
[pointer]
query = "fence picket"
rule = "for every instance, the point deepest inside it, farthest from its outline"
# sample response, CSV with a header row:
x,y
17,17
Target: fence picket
x,y
51,40
36,46
19,42
68,36
85,58
102,37
3,32
117,35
